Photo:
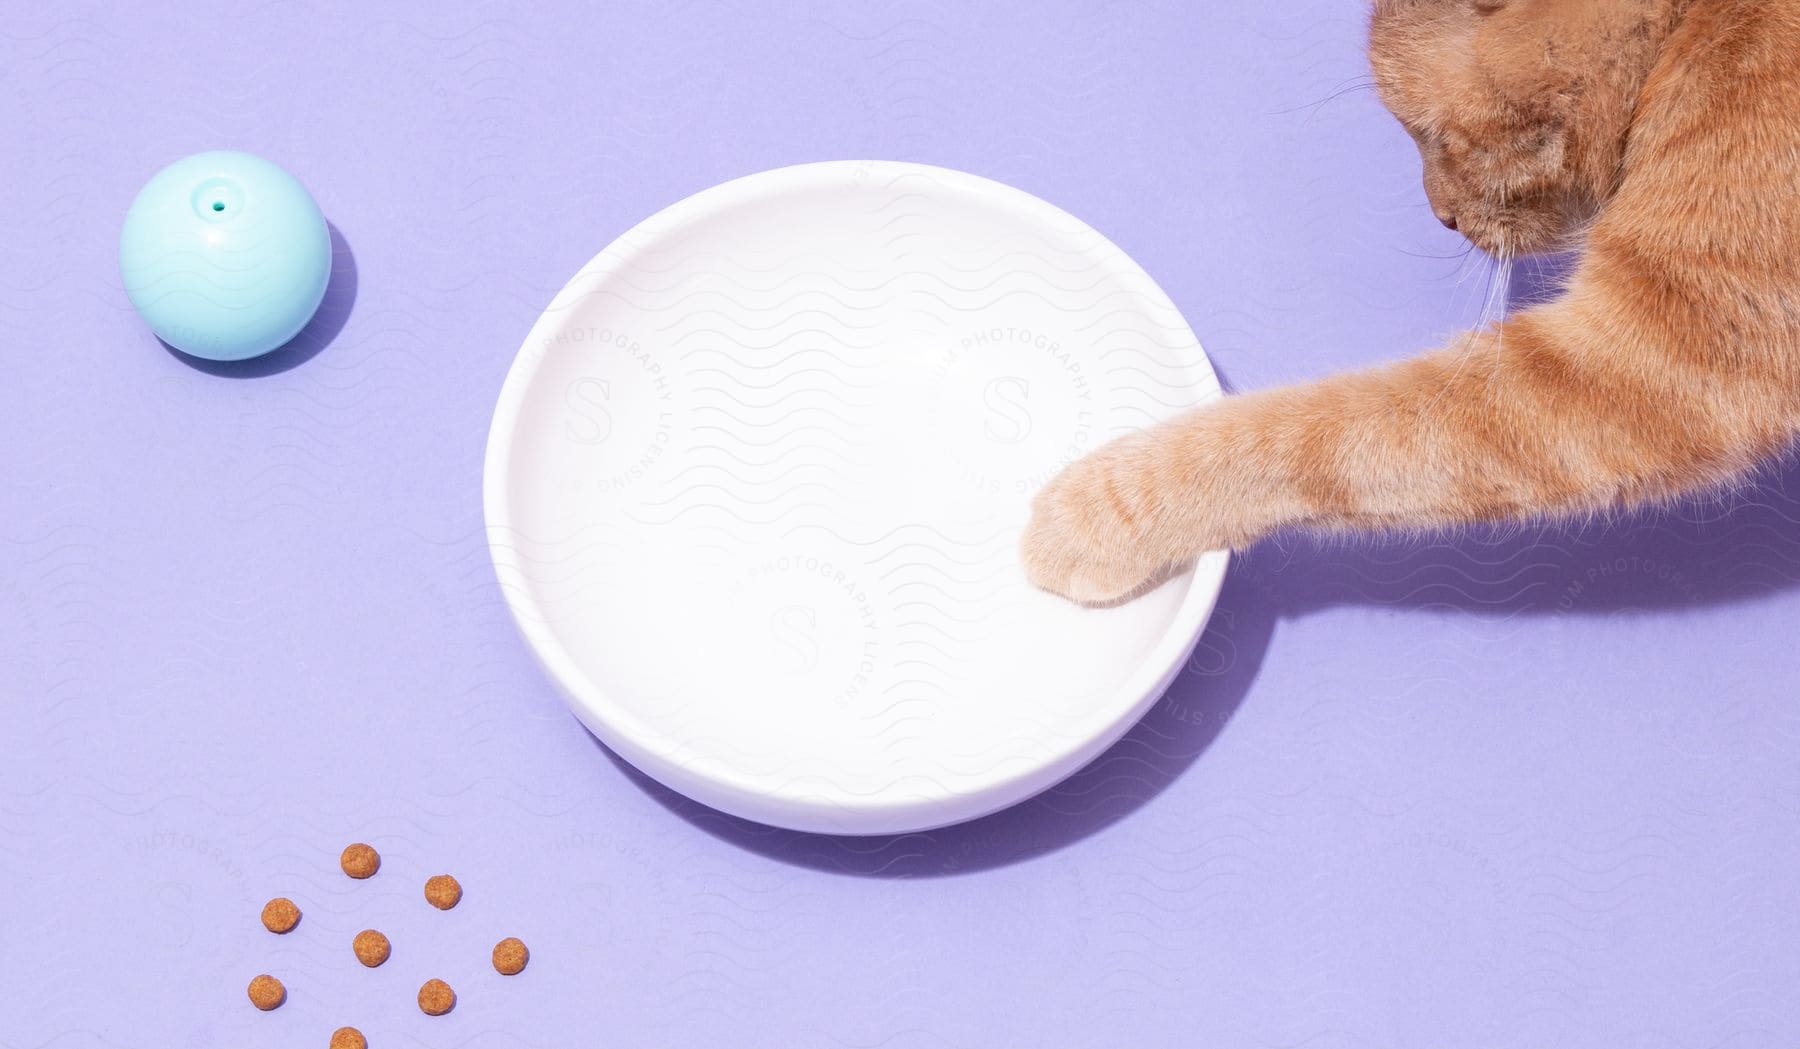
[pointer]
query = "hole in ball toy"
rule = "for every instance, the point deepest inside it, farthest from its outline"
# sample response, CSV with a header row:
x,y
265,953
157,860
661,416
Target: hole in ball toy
x,y
218,205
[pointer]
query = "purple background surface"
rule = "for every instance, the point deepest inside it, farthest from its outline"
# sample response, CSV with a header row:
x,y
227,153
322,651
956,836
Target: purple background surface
x,y
1510,790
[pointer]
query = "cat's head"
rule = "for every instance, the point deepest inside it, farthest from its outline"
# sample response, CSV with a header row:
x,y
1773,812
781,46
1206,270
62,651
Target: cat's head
x,y
1519,107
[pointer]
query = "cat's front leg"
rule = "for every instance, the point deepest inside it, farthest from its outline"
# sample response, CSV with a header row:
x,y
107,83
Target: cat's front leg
x,y
1586,404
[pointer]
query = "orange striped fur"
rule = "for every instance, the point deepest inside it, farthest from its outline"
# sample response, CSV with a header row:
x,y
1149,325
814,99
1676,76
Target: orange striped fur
x,y
1662,137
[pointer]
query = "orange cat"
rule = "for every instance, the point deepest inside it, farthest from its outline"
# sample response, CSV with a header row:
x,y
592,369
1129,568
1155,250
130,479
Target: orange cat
x,y
1661,136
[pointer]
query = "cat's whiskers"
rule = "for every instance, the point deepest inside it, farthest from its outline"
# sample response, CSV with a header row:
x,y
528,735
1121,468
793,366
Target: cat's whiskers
x,y
1364,82
1465,271
1493,312
1471,347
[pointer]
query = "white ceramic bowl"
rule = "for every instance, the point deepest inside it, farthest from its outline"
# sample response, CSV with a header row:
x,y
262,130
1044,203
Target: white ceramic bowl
x,y
756,480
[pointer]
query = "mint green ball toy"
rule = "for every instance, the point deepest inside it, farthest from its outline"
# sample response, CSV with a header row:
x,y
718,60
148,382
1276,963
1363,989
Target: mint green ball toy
x,y
225,255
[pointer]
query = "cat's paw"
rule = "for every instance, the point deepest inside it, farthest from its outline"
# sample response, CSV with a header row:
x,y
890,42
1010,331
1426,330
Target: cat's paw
x,y
1087,540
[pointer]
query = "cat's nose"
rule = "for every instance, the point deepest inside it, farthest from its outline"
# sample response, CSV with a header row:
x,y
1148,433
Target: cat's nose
x,y
1447,219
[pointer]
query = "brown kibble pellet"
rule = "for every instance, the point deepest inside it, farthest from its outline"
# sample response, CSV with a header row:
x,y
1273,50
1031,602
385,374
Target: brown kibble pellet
x,y
359,860
436,998
348,1038
280,915
510,956
442,891
266,992
371,947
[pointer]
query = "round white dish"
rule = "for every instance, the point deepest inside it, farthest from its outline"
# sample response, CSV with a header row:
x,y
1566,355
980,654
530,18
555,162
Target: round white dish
x,y
755,484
